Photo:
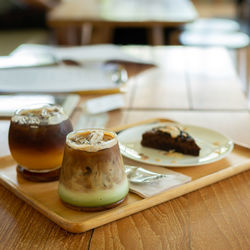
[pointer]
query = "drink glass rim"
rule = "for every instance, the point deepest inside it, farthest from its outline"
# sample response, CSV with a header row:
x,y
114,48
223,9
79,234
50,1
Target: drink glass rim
x,y
32,115
36,106
83,147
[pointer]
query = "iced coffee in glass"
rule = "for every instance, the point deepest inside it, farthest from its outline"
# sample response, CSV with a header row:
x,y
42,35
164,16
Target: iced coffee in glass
x,y
92,177
37,137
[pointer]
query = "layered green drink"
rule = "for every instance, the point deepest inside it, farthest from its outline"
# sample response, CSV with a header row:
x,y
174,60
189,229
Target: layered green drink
x,y
92,175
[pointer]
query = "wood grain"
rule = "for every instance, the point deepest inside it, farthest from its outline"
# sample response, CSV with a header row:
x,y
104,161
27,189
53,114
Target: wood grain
x,y
157,89
199,220
44,196
148,229
25,228
214,217
213,84
181,223
164,87
224,211
189,78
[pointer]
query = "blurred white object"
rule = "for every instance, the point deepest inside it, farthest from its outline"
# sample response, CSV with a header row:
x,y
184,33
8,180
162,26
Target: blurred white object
x,y
233,40
98,53
82,54
104,104
10,103
213,25
57,79
91,121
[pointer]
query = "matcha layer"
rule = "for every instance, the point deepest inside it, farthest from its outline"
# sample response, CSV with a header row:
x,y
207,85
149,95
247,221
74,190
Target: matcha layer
x,y
96,198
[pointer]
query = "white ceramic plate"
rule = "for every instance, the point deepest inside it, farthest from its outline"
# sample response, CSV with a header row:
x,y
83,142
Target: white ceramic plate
x,y
214,146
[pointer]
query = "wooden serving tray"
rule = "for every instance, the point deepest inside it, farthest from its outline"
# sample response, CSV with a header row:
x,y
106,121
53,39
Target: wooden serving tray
x,y
44,197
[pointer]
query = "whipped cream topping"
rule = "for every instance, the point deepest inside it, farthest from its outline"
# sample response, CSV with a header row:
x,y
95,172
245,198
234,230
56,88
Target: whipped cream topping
x,y
91,140
45,114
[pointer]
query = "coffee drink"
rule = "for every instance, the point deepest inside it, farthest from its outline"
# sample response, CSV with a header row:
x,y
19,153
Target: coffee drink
x,y
37,137
92,175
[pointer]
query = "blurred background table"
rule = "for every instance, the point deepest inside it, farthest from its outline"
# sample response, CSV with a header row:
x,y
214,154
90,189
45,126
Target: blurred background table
x,y
102,17
190,85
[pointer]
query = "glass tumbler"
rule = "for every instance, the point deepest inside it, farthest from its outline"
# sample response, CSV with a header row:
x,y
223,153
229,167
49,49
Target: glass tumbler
x,y
37,137
92,177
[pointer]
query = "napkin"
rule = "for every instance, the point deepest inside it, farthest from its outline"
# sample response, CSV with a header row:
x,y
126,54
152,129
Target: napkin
x,y
146,183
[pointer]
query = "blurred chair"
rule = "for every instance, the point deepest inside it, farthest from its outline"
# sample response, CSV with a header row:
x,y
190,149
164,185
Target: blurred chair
x,y
10,39
243,14
23,21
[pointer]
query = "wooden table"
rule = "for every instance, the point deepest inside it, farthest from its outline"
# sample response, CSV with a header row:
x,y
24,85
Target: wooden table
x,y
103,16
191,85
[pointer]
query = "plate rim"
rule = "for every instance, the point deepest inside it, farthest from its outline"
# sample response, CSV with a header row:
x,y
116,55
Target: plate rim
x,y
176,165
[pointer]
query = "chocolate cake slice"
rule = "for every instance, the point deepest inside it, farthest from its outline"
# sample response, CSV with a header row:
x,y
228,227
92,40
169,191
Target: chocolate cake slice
x,y
170,137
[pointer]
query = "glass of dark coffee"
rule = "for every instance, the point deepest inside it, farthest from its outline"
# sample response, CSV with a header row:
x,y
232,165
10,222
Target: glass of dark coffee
x,y
37,137
92,177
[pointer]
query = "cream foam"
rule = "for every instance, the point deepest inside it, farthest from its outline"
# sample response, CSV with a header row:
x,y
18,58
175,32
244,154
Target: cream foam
x,y
91,140
40,114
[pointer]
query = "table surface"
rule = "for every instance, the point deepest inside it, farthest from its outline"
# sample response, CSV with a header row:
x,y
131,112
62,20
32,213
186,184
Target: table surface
x,y
190,85
123,13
